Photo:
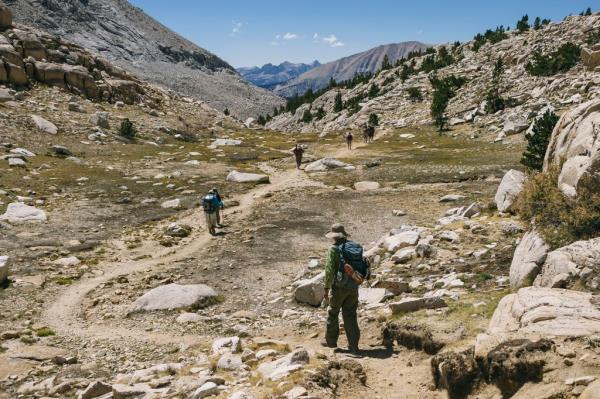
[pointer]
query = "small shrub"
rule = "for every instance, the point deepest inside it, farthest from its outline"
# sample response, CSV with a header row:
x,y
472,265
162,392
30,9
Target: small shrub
x,y
261,120
560,219
127,129
226,112
414,94
537,143
373,91
63,281
44,332
593,37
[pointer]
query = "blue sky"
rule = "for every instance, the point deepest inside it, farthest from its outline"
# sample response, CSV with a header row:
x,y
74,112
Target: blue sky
x,y
247,33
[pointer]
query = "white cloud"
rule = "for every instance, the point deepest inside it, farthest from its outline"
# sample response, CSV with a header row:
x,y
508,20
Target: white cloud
x,y
290,36
277,37
237,28
332,40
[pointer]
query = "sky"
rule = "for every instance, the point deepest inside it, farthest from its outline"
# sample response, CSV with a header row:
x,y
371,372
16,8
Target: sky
x,y
249,33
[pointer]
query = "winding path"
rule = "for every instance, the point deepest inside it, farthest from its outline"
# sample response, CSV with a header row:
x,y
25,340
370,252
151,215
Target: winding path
x,y
64,315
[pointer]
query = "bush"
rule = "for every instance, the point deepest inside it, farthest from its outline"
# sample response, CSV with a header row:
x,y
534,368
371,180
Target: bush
x,y
560,219
373,119
593,37
261,120
537,143
561,60
491,36
226,112
414,94
127,129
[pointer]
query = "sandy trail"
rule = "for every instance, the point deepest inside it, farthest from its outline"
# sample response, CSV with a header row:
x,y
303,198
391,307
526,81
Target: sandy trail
x,y
64,315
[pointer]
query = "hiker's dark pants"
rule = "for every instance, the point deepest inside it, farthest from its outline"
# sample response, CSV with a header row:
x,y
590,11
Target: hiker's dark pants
x,y
346,300
298,161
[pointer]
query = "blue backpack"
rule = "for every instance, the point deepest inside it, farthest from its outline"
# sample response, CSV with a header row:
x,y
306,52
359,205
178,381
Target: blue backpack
x,y
208,204
352,254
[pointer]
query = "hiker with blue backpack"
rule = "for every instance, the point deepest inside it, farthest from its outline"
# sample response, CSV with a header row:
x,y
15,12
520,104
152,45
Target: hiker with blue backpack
x,y
211,203
346,269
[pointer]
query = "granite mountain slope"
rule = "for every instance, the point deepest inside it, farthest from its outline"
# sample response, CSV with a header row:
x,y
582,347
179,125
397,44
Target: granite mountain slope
x,y
345,68
269,76
133,40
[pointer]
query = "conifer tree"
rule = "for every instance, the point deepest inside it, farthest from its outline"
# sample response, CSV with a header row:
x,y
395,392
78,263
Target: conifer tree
x,y
338,105
537,143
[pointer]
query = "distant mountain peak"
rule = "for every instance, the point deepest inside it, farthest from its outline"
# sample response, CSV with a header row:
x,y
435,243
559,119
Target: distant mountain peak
x,y
347,67
269,75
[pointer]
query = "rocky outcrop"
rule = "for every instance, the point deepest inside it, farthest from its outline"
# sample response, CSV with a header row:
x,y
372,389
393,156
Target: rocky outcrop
x,y
580,260
510,186
590,57
325,164
574,145
547,311
529,256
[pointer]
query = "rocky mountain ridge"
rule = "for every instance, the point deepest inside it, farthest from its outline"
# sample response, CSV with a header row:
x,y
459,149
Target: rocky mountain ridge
x,y
269,76
128,37
346,68
395,107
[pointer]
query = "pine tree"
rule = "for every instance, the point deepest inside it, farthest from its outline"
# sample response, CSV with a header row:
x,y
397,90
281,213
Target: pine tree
x,y
523,24
320,113
338,105
537,24
588,12
307,116
226,112
373,90
494,102
275,111
261,120
373,119
537,143
385,64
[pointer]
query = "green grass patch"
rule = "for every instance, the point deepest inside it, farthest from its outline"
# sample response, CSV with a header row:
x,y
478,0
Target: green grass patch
x,y
44,332
63,280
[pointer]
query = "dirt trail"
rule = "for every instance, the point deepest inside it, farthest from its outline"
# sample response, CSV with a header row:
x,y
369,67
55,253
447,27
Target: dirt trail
x,y
64,315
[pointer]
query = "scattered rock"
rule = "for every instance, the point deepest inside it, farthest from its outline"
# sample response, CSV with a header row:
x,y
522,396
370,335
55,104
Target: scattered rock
x,y
18,213
311,291
281,368
398,241
174,296
452,198
226,345
171,204
325,164
43,125
366,185
178,230
94,390
239,177
510,186
529,255
412,304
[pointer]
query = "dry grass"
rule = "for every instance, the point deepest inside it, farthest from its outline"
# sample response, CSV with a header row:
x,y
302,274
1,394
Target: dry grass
x,y
560,219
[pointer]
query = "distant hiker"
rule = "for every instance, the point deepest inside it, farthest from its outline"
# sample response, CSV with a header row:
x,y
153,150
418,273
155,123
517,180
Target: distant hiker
x,y
298,153
349,138
345,271
220,209
366,134
371,132
211,205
